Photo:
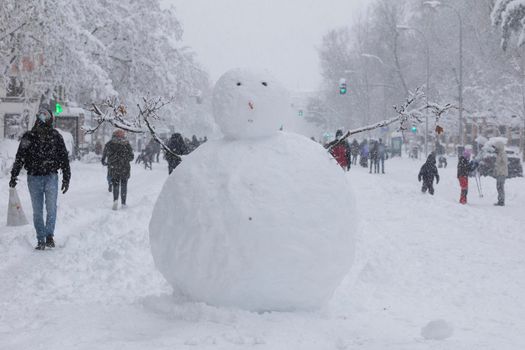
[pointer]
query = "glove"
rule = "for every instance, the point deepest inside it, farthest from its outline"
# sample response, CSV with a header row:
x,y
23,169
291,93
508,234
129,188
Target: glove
x,y
12,182
437,180
65,186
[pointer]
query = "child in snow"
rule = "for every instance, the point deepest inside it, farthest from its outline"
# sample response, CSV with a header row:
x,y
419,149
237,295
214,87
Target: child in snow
x,y
427,173
465,167
442,162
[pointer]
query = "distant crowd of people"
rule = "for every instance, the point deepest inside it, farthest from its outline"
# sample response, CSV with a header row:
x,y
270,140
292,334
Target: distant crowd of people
x,y
372,153
177,144
118,154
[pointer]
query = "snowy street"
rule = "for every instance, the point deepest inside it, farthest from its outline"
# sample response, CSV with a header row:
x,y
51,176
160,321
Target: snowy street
x,y
418,259
254,230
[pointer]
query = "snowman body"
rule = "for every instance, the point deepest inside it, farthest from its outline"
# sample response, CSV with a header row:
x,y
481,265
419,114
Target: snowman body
x,y
261,220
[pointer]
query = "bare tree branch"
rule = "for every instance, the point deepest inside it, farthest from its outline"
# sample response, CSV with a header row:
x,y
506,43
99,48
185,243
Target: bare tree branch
x,y
11,32
116,115
151,112
403,118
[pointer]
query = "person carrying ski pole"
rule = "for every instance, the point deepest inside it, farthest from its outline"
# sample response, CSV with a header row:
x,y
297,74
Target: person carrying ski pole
x,y
465,168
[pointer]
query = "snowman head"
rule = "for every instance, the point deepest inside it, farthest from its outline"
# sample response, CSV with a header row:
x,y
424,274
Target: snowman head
x,y
249,104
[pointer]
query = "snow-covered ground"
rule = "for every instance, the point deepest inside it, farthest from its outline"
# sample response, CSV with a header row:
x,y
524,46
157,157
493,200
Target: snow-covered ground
x,y
418,259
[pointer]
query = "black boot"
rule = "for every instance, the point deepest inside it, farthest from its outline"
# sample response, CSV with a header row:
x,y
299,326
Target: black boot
x,y
50,243
41,245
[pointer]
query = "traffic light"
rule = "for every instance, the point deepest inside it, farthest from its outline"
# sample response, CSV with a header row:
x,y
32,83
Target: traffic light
x,y
300,113
342,86
55,107
58,108
414,129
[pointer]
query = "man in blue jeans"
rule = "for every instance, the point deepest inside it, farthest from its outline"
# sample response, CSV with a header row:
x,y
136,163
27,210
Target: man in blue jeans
x,y
42,153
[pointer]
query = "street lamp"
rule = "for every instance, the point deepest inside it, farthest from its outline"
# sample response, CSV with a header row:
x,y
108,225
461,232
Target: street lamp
x,y
407,28
435,4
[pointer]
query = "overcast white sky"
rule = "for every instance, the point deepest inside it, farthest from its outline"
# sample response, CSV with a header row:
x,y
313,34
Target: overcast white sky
x,y
280,35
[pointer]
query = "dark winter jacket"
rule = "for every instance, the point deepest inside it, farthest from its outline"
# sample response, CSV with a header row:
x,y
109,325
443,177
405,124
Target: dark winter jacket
x,y
429,170
354,148
465,167
152,148
381,151
42,151
155,146
177,145
374,151
117,155
364,149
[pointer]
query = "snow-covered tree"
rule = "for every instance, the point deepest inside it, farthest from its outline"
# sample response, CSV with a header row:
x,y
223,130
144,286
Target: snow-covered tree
x,y
99,48
509,15
379,56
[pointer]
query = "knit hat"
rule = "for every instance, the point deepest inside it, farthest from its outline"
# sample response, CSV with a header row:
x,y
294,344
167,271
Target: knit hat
x,y
44,115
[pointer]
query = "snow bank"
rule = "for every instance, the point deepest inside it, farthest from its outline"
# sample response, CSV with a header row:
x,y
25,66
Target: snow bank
x,y
255,224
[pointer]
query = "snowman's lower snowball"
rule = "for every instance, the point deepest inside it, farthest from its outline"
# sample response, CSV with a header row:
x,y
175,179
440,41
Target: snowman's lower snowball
x,y
260,224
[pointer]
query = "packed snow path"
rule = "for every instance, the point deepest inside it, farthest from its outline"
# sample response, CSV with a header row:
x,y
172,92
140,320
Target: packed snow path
x,y
418,259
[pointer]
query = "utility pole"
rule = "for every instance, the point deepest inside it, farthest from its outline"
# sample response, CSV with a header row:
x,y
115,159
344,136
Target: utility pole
x,y
427,52
436,4
523,105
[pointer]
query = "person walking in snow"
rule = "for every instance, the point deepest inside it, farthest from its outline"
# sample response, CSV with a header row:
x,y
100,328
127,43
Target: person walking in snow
x,y
363,160
354,150
442,162
374,157
501,171
341,151
119,155
148,155
381,154
193,144
42,152
177,145
155,147
427,173
465,167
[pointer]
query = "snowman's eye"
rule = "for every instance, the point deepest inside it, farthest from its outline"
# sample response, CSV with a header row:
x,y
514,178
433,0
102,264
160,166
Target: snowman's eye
x,y
239,83
264,83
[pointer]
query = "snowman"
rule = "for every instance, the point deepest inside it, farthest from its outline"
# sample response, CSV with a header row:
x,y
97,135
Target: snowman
x,y
261,219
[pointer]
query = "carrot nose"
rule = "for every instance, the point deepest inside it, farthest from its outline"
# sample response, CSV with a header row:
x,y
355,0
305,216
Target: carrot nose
x,y
251,105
